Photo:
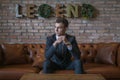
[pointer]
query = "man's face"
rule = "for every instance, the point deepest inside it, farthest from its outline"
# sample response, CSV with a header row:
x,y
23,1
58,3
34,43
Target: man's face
x,y
60,29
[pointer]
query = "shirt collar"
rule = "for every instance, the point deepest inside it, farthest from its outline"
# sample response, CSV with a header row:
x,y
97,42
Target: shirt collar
x,y
57,36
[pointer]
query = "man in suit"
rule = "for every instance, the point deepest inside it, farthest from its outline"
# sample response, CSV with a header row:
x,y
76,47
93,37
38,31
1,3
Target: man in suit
x,y
60,48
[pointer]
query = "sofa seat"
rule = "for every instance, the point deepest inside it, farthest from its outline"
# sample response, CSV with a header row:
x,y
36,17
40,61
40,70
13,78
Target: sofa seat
x,y
94,65
14,72
106,71
94,68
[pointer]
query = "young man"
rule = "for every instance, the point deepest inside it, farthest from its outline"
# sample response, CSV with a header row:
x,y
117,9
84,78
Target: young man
x,y
60,48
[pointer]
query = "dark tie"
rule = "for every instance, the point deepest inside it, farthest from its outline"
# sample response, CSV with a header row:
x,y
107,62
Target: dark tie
x,y
61,49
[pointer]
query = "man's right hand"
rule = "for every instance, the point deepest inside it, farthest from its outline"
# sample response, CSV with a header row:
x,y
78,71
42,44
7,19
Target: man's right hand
x,y
59,40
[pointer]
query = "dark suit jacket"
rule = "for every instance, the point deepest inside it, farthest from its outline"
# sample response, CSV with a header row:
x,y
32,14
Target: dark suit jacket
x,y
61,56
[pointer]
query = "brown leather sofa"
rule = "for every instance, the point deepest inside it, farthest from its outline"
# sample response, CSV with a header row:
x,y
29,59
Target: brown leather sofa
x,y
15,61
98,58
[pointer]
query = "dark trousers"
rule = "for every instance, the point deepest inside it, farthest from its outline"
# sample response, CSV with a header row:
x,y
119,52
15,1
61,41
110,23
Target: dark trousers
x,y
50,67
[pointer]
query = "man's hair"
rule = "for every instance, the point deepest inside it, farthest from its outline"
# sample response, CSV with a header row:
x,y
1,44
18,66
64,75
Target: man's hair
x,y
62,20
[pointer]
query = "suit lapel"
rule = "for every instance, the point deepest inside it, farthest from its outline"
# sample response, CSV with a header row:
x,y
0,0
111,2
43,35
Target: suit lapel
x,y
53,38
65,47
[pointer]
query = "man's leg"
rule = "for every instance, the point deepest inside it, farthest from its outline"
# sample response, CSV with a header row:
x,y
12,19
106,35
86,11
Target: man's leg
x,y
49,66
77,66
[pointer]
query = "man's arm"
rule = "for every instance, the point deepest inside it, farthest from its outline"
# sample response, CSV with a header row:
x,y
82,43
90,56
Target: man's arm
x,y
75,50
72,46
50,49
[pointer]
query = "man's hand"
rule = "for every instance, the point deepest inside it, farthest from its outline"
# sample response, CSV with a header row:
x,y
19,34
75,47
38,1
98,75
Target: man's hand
x,y
62,39
59,40
66,42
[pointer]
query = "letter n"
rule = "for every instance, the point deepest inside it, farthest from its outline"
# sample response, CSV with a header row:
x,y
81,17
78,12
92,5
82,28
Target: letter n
x,y
71,10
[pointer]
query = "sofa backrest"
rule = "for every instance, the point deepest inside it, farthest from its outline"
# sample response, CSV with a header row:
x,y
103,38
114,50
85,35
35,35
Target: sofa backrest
x,y
108,53
35,50
36,54
100,52
88,52
1,55
13,54
118,56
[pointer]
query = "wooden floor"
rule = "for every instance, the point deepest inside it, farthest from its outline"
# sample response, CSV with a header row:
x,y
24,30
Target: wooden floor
x,y
33,76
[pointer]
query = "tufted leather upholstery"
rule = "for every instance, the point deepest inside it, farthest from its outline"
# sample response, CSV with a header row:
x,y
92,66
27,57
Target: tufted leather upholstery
x,y
118,56
88,52
35,57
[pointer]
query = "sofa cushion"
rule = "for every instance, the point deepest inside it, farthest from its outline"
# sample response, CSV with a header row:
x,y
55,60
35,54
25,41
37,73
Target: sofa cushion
x,y
94,65
14,72
1,56
14,54
107,71
106,53
118,57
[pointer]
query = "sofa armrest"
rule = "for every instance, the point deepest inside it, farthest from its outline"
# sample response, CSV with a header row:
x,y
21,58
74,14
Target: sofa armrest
x,y
118,56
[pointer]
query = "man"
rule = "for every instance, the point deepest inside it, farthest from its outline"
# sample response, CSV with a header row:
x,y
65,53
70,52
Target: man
x,y
60,48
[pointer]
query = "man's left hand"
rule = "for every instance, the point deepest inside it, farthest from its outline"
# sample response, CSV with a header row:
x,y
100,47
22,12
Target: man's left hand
x,y
65,41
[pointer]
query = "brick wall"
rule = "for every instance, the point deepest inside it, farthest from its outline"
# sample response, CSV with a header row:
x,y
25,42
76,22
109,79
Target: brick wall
x,y
104,28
